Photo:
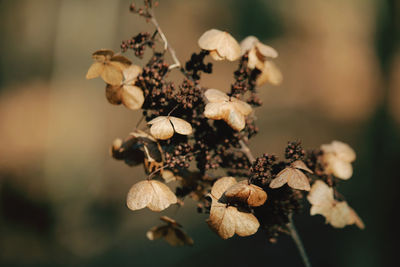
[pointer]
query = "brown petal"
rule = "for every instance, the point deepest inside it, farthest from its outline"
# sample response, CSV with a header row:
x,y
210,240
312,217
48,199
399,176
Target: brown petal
x,y
221,185
103,55
121,59
132,97
95,70
298,164
243,192
181,126
281,178
246,223
113,94
298,180
216,111
161,128
162,198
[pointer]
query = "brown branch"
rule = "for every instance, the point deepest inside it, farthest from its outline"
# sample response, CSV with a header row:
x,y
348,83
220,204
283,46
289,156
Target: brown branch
x,y
246,150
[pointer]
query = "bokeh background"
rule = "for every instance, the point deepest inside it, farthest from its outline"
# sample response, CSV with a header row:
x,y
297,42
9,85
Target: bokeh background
x,y
62,197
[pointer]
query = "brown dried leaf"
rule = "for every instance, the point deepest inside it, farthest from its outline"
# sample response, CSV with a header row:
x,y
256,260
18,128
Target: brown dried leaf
x,y
244,192
221,185
152,194
113,94
171,232
221,45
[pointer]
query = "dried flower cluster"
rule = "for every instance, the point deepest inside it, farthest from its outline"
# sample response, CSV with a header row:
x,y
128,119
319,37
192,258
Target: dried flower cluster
x,y
194,134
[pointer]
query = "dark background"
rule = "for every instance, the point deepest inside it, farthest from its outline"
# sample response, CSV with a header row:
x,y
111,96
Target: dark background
x,y
62,198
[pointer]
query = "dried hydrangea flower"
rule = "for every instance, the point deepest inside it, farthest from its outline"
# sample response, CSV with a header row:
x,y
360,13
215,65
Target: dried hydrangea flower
x,y
337,158
230,109
337,213
163,127
293,176
152,194
244,192
220,44
127,93
228,220
170,232
258,54
108,66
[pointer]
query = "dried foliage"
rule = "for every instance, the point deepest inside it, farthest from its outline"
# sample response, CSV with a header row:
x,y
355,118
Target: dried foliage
x,y
210,131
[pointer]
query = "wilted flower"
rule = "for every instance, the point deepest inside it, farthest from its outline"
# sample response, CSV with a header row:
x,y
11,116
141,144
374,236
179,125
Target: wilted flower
x,y
152,194
108,66
227,220
244,192
230,109
171,232
163,127
258,54
220,44
337,213
337,158
293,176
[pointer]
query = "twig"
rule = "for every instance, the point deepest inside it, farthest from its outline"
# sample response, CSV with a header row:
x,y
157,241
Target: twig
x,y
297,241
246,150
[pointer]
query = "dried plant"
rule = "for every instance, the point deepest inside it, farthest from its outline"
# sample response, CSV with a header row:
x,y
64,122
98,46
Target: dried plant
x,y
195,133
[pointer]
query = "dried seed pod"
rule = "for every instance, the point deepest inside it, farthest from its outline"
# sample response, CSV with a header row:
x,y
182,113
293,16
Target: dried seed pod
x,y
108,66
163,127
152,194
244,192
227,220
220,44
222,107
336,213
171,233
293,176
337,158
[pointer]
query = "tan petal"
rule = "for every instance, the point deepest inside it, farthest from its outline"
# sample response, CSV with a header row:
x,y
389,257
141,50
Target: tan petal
x,y
254,61
132,97
103,55
226,46
340,215
298,180
246,223
216,96
266,50
281,178
111,75
95,70
236,120
214,55
220,223
162,197
121,59
320,194
216,111
248,43
342,150
113,94
355,219
168,176
140,195
251,194
221,185
270,73
298,164
152,194
181,126
171,233
241,106
341,169
157,232
131,73
161,128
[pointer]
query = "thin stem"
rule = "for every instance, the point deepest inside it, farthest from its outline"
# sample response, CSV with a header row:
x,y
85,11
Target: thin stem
x,y
297,241
246,150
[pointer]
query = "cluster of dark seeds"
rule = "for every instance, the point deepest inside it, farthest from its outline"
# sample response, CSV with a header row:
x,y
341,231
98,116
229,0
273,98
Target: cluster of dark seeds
x,y
294,151
138,43
196,65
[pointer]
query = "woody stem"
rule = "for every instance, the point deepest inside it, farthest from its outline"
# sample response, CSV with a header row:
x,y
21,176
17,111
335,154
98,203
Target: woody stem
x,y
297,241
293,232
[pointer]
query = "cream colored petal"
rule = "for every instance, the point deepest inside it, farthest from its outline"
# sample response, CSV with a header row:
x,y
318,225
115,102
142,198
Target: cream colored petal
x,y
132,97
111,75
355,219
216,111
221,185
216,56
181,126
321,194
340,215
215,96
266,50
161,129
162,197
298,164
343,151
281,178
341,169
95,70
299,180
168,176
270,74
241,106
140,195
246,223
113,94
157,119
228,47
220,222
248,43
254,61
131,73
236,120
210,39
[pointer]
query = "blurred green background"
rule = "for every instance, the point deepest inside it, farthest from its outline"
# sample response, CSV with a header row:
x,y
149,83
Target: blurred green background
x,y
62,197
